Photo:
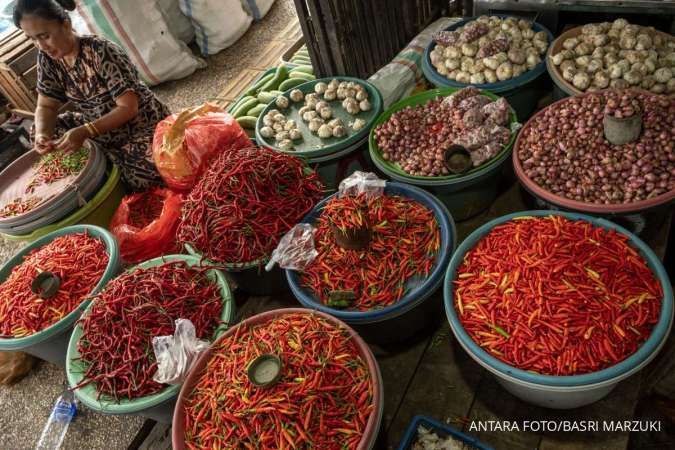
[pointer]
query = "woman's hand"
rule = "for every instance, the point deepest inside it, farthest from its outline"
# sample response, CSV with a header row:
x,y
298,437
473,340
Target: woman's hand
x,y
72,139
43,144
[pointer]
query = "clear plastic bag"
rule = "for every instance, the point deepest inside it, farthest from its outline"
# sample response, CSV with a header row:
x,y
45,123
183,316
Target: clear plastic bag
x,y
176,354
452,101
362,182
497,112
296,249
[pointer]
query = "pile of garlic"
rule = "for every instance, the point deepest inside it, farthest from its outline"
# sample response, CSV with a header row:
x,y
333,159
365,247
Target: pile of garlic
x,y
318,113
618,55
284,130
488,49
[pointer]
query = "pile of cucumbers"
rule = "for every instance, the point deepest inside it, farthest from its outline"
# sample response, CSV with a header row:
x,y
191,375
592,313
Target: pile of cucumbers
x,y
265,90
301,57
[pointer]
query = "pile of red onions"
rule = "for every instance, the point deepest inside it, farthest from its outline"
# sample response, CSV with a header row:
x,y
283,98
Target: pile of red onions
x,y
622,104
564,150
416,138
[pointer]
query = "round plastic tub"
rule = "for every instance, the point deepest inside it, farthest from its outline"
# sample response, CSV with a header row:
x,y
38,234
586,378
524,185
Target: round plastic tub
x,y
418,308
522,92
158,406
635,216
561,392
465,195
51,343
374,421
97,211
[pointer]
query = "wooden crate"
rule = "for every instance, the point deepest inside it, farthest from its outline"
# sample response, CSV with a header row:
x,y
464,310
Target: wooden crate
x,y
18,70
356,38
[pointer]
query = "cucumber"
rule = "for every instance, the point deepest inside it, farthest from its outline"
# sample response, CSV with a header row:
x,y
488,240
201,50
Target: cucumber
x,y
291,83
267,97
302,60
302,75
244,107
247,121
256,110
279,75
258,84
305,69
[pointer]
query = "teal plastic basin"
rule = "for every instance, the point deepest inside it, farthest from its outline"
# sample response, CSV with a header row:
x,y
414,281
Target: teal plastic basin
x,y
51,343
158,406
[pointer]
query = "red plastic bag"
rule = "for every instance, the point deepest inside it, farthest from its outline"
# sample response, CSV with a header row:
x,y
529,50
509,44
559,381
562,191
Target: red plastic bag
x,y
145,224
183,143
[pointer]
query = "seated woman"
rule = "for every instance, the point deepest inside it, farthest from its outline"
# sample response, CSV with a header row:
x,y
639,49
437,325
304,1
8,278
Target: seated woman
x,y
113,107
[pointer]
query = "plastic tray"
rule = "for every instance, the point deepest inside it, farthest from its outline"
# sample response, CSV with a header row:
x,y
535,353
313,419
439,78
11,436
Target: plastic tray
x,y
421,99
433,76
311,145
441,429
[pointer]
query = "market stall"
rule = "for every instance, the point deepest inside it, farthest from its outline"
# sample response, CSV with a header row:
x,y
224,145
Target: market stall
x,y
345,244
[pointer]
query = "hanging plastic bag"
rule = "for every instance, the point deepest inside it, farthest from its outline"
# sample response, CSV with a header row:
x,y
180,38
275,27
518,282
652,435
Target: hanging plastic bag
x,y
360,182
183,143
295,250
176,354
145,224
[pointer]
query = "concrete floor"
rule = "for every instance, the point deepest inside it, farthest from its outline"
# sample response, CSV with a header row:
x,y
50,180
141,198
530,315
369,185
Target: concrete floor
x,y
25,407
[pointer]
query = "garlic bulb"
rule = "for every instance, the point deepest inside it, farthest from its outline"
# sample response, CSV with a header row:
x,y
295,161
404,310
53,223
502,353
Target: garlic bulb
x,y
281,102
286,144
339,131
315,124
266,132
330,95
325,131
358,124
297,95
326,113
365,105
295,134
320,87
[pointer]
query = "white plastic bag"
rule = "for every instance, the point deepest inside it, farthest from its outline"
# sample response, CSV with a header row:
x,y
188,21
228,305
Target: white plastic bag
x,y
179,24
176,354
218,23
295,250
360,182
257,8
141,30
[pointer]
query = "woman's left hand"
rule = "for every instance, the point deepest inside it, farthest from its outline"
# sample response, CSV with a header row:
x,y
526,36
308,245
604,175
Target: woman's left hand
x,y
72,139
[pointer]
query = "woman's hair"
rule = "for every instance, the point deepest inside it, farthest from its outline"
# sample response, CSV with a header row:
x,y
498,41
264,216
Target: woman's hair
x,y
45,9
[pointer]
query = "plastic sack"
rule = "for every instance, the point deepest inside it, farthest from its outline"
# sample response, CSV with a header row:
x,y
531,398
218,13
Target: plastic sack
x,y
360,182
176,354
257,8
295,250
183,143
178,22
139,242
218,23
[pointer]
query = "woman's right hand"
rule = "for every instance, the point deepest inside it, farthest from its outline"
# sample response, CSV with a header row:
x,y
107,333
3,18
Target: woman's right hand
x,y
43,144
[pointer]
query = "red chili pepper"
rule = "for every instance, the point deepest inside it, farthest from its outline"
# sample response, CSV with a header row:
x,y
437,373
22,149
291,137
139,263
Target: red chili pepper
x,y
579,291
314,404
116,342
79,261
247,200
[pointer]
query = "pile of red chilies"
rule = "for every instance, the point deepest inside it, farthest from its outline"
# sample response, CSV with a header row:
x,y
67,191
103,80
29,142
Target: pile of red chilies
x,y
79,260
556,296
245,202
57,165
19,206
146,209
116,343
323,399
404,243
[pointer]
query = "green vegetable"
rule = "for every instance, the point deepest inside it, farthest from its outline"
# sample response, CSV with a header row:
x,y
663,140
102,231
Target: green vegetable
x,y
267,97
259,84
304,76
301,60
244,107
279,75
305,69
247,121
256,110
291,83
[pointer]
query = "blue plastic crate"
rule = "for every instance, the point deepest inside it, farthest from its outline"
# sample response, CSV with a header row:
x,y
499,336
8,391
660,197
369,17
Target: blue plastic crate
x,y
441,429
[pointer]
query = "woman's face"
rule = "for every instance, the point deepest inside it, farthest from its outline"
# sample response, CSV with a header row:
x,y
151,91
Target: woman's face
x,y
52,37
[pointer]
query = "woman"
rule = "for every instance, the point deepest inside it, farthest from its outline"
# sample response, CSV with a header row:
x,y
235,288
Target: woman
x,y
113,107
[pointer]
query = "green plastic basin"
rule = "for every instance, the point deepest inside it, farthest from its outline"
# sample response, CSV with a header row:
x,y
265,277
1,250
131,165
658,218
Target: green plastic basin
x,y
465,195
51,343
158,406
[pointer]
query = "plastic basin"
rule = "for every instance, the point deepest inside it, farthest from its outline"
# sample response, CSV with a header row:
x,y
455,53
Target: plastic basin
x,y
97,211
418,308
51,343
635,216
522,92
465,195
442,430
158,406
374,421
571,391
334,168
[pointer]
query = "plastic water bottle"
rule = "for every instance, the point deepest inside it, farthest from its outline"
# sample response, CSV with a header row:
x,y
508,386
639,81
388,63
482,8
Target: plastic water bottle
x,y
55,431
